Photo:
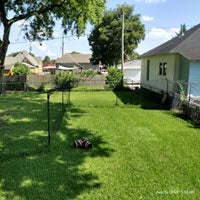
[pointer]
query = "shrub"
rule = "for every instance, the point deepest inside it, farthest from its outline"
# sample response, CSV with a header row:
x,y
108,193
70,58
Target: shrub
x,y
114,79
21,69
66,80
88,73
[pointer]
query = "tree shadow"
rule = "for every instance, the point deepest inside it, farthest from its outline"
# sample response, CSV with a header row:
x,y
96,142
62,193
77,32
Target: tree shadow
x,y
30,169
142,98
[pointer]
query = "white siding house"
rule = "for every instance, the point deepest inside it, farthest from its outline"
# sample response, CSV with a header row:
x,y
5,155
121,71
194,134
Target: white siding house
x,y
132,71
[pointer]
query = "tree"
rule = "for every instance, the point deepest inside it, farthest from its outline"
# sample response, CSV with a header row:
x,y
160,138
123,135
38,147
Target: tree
x,y
75,52
15,53
41,15
105,39
182,31
46,59
20,69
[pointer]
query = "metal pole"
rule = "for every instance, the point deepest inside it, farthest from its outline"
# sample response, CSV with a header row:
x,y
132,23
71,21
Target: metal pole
x,y
63,44
62,101
122,68
189,92
48,118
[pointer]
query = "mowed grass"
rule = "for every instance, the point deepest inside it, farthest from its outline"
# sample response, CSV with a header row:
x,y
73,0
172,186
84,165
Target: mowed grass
x,y
139,150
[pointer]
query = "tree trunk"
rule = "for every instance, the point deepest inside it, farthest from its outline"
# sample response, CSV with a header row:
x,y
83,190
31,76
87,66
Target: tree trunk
x,y
4,47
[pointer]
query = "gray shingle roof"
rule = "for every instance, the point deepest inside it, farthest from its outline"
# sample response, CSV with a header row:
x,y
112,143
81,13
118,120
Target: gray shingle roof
x,y
74,58
187,45
9,62
25,55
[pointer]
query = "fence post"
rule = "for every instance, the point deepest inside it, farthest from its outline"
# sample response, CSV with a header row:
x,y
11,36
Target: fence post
x,y
167,85
189,92
62,100
48,118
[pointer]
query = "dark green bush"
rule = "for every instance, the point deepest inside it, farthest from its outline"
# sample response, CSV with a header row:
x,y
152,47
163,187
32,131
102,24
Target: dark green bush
x,y
114,79
88,73
21,69
66,80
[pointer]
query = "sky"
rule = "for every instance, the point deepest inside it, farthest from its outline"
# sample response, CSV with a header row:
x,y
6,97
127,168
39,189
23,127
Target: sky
x,y
162,19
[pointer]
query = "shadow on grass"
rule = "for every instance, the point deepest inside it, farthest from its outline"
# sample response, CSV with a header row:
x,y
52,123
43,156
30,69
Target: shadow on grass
x,y
193,124
140,98
32,170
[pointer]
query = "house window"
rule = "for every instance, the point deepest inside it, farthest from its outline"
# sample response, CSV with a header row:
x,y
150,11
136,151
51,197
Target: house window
x,y
163,69
160,69
148,67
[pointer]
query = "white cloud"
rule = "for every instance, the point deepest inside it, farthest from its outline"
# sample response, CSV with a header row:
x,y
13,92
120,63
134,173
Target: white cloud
x,y
56,34
147,18
151,1
156,37
160,33
51,54
40,46
44,48
22,23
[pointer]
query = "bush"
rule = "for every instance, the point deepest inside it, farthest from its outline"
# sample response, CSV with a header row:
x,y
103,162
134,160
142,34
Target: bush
x,y
21,69
88,73
114,79
66,80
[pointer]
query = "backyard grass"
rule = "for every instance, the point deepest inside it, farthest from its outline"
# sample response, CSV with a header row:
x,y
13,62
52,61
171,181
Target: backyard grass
x,y
140,151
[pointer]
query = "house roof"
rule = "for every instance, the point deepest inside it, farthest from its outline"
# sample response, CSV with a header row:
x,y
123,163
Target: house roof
x,y
187,45
133,64
9,62
75,58
25,55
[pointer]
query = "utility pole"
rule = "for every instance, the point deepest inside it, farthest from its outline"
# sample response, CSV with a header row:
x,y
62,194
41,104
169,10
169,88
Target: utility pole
x,y
30,48
122,68
63,44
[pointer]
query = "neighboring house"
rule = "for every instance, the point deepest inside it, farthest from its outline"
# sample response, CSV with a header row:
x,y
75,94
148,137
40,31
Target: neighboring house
x,y
75,62
175,60
8,65
132,71
34,63
49,68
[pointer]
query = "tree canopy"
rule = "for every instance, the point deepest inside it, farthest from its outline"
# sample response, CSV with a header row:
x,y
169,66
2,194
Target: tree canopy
x,y
106,37
41,15
47,59
183,29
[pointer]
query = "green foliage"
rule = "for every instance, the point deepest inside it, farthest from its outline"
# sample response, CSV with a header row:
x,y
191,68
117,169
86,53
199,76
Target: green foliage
x,y
114,78
75,52
46,59
182,31
182,93
88,73
41,15
106,37
21,69
66,80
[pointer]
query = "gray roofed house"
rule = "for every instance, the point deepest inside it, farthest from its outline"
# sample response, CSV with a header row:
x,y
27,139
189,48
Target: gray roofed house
x,y
34,63
176,60
9,62
24,56
75,62
187,45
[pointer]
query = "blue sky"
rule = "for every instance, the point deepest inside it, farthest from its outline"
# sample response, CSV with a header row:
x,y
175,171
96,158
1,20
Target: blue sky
x,y
162,18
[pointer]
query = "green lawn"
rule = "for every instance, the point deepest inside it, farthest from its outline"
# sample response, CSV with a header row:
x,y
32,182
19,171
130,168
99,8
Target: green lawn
x,y
140,151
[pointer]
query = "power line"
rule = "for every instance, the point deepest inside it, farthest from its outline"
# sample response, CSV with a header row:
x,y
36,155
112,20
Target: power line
x,y
56,38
